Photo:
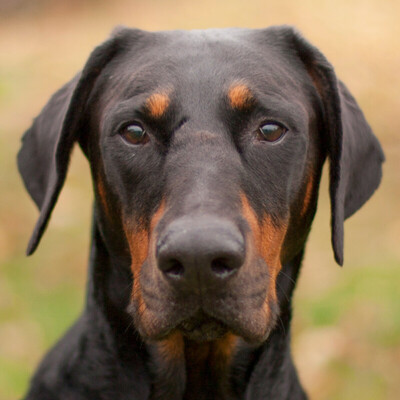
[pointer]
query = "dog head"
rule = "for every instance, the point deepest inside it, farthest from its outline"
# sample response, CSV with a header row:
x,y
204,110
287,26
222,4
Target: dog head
x,y
206,150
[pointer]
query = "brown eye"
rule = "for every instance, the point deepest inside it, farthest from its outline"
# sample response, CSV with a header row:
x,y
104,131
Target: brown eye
x,y
134,134
271,132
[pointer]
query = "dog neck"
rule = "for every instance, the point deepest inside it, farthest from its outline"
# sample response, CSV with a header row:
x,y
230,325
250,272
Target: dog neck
x,y
183,369
225,369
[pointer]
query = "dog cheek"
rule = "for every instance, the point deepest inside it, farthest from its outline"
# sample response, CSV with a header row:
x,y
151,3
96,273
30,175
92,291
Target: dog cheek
x,y
138,240
270,247
141,242
268,239
308,195
101,194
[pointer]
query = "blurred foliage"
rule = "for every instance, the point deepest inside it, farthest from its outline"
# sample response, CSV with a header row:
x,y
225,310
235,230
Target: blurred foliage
x,y
346,327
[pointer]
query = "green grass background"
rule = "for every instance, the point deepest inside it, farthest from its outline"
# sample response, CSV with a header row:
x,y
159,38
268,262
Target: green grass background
x,y
346,328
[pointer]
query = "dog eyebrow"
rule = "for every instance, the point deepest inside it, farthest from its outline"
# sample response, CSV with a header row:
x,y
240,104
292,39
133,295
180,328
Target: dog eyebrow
x,y
240,96
157,104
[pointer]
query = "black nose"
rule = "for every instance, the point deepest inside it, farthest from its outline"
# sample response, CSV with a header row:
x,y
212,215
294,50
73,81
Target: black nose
x,y
205,250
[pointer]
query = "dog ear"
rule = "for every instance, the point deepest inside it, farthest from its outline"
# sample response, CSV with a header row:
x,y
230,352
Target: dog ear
x,y
354,152
46,147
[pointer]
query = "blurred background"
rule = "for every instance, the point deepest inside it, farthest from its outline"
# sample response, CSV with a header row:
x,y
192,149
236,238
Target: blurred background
x,y
346,326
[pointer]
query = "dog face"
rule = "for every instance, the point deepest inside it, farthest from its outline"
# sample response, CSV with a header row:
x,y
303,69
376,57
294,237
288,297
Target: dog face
x,y
206,151
219,152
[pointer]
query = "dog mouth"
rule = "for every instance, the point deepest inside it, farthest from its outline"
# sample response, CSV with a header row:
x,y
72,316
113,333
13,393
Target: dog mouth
x,y
206,325
202,327
244,307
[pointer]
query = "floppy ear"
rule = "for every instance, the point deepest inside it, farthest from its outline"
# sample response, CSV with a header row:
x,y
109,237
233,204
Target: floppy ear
x,y
46,147
355,154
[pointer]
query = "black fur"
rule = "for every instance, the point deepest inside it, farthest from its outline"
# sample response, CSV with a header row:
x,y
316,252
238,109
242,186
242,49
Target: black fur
x,y
203,156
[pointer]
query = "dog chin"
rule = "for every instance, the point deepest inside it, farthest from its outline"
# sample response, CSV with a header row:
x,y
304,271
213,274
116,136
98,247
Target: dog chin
x,y
201,327
198,327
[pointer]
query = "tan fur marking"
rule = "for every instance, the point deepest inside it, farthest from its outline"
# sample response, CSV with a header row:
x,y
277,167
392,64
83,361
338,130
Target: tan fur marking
x,y
220,351
157,104
240,96
210,358
171,348
268,239
101,191
224,350
157,216
307,196
138,239
139,246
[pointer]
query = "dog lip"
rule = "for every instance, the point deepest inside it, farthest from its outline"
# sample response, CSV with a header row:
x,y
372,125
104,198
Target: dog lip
x,y
203,326
209,317
252,328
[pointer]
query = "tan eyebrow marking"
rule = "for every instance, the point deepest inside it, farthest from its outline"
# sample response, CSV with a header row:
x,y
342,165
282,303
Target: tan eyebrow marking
x,y
240,96
157,104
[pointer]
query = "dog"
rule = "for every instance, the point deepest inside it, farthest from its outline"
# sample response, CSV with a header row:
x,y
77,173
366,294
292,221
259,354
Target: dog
x,y
206,150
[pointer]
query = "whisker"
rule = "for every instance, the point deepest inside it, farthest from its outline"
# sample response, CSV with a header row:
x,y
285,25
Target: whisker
x,y
287,276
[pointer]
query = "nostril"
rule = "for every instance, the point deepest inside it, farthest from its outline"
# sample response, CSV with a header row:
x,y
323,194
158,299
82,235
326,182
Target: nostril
x,y
222,268
173,269
197,250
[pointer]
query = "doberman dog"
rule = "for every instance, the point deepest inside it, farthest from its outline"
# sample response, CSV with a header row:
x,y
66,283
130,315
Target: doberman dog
x,y
206,150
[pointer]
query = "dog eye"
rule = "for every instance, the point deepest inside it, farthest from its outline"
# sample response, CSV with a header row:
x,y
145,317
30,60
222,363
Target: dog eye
x,y
271,132
134,134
